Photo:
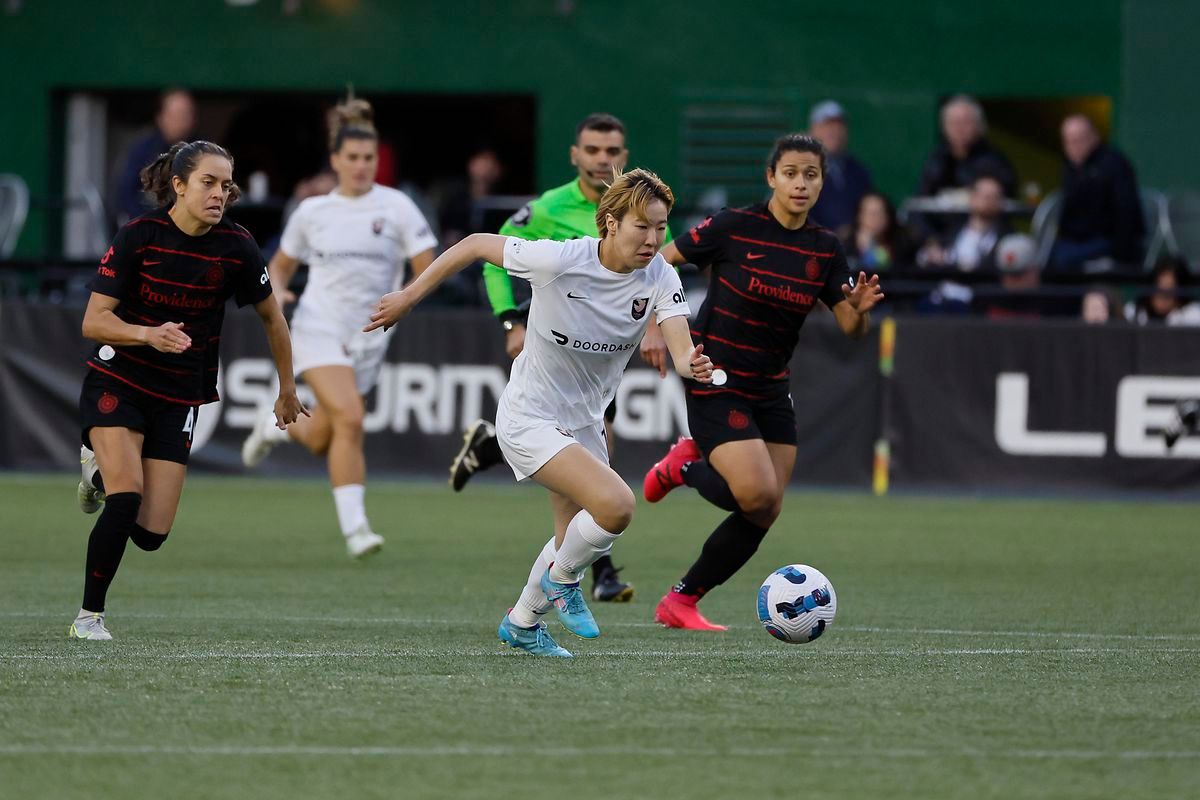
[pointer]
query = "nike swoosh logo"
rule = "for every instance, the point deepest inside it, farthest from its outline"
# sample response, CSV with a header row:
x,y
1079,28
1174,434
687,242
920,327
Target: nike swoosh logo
x,y
755,256
577,296
150,263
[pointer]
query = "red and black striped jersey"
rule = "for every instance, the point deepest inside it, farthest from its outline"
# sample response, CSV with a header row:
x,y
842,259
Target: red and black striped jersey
x,y
764,280
160,274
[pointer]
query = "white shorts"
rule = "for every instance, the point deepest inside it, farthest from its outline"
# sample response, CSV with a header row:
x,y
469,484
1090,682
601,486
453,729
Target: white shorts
x,y
528,443
313,347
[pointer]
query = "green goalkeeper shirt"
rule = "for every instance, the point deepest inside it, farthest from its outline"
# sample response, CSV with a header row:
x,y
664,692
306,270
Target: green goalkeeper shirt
x,y
559,214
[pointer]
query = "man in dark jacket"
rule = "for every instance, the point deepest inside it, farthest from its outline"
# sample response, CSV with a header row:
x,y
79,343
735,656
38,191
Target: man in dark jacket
x,y
846,179
964,152
1101,215
173,122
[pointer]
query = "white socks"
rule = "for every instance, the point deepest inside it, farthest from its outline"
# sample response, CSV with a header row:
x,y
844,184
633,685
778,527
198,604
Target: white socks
x,y
351,510
533,603
584,543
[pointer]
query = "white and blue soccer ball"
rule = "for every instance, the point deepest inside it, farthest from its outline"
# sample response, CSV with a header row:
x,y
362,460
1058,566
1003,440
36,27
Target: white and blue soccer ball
x,y
796,604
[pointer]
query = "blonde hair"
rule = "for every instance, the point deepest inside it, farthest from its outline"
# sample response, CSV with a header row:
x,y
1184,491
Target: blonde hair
x,y
631,191
353,118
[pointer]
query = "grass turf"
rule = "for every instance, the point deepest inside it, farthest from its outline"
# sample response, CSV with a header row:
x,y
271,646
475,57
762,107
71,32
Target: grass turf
x,y
983,649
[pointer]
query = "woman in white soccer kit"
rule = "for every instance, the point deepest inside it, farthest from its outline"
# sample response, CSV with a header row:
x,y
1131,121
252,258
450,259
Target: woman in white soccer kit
x,y
592,301
355,241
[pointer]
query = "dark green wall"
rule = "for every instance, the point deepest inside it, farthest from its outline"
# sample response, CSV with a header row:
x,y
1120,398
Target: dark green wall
x,y
889,63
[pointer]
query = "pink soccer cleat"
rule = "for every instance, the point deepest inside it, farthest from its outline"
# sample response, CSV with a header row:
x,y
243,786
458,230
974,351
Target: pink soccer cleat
x,y
666,475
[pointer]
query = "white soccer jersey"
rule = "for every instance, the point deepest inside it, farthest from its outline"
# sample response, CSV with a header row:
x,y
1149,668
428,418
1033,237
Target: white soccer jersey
x,y
355,248
584,324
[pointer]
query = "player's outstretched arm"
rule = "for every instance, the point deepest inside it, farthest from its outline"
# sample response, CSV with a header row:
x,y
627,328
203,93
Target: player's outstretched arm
x,y
689,358
287,406
853,316
395,305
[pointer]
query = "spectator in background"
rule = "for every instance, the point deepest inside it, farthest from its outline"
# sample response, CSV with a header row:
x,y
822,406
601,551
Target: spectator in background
x,y
173,122
973,246
1020,278
964,152
1101,216
846,179
459,215
1165,304
875,242
1100,306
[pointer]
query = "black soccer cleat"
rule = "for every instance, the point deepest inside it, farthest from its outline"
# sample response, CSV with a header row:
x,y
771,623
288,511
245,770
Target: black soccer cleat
x,y
1186,422
609,588
480,450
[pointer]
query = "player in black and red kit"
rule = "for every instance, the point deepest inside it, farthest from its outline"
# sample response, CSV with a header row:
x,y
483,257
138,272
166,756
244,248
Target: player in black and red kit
x,y
769,268
158,299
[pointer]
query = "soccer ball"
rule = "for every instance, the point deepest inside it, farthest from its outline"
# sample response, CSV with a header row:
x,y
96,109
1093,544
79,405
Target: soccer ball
x,y
796,604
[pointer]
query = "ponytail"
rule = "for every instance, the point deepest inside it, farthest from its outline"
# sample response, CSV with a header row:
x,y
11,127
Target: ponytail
x,y
353,118
180,162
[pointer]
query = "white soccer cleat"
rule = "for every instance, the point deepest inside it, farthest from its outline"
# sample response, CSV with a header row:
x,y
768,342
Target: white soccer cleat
x,y
263,437
89,626
88,495
363,542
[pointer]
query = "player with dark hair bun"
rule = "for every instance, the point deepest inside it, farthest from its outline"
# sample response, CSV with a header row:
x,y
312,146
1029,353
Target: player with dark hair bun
x,y
157,304
769,268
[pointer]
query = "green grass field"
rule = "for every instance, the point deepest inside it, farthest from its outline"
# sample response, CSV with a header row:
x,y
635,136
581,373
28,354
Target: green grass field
x,y
983,649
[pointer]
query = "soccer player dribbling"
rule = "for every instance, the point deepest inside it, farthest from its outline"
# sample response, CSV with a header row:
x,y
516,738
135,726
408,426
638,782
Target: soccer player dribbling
x,y
769,268
355,240
157,304
592,301
562,213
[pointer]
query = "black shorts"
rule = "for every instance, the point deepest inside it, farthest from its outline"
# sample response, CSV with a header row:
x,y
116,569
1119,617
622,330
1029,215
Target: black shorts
x,y
167,427
726,417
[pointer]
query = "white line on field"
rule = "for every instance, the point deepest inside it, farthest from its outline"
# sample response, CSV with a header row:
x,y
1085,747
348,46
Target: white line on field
x,y
100,652
532,749
398,620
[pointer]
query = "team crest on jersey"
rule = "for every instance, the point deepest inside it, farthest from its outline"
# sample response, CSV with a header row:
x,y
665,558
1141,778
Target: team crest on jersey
x,y
812,269
639,307
107,403
377,225
215,275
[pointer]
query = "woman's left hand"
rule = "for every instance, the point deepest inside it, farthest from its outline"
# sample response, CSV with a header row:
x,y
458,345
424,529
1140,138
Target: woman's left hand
x,y
865,294
288,408
392,307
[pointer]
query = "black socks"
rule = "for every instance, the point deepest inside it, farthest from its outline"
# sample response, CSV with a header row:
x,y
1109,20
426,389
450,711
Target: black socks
x,y
701,476
147,540
727,550
106,545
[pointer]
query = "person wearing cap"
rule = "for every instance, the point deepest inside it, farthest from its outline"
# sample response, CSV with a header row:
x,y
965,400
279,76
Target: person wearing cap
x,y
1020,278
846,179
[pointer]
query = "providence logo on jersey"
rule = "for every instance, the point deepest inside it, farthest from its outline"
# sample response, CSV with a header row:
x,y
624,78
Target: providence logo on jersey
x,y
565,340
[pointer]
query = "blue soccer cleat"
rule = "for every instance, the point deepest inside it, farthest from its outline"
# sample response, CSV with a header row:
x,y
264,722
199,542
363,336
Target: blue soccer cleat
x,y
572,610
536,640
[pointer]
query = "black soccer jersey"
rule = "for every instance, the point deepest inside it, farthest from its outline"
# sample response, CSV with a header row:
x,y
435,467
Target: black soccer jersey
x,y
160,274
764,281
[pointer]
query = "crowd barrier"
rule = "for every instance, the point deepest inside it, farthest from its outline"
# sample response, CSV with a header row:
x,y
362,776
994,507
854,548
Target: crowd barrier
x,y
932,402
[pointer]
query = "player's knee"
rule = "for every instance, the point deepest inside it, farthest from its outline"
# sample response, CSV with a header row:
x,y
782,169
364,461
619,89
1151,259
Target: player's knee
x,y
757,500
123,507
146,539
349,420
614,512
